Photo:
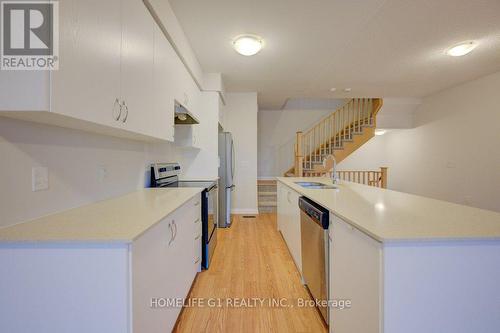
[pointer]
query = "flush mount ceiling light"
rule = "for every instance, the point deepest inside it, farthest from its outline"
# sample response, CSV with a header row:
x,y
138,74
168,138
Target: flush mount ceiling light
x,y
248,45
380,131
347,89
461,49
333,89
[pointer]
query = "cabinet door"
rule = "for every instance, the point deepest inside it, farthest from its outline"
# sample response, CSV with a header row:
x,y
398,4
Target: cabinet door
x,y
295,233
87,83
188,95
293,238
194,106
137,66
355,275
281,209
154,275
184,238
163,99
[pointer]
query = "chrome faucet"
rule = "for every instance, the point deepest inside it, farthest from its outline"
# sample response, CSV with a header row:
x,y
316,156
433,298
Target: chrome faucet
x,y
331,161
335,179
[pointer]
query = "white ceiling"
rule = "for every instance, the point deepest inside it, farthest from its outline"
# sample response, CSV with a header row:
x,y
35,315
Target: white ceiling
x,y
383,48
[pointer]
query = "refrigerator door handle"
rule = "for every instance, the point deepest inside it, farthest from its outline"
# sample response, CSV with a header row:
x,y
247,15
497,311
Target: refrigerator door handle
x,y
233,161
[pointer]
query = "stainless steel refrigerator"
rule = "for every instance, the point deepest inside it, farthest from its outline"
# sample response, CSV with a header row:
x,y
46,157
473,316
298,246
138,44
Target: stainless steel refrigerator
x,y
226,175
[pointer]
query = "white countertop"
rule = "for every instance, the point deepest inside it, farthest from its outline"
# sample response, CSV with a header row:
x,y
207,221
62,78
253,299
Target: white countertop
x,y
387,215
121,219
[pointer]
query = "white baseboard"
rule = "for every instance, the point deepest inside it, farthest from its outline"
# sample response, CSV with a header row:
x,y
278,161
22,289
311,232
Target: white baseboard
x,y
245,211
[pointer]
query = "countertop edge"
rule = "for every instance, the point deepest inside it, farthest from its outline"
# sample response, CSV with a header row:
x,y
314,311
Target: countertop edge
x,y
394,240
199,190
90,240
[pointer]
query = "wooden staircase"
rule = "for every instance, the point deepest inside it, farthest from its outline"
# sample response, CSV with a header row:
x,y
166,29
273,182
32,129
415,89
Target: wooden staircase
x,y
338,134
267,195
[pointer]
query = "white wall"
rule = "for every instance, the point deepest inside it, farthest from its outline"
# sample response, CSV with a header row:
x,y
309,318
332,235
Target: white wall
x,y
453,152
398,113
75,160
240,118
277,131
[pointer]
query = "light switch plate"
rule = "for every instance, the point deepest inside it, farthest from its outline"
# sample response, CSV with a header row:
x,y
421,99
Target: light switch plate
x,y
39,178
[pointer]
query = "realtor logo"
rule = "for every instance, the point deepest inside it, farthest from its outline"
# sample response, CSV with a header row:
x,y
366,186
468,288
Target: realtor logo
x,y
29,35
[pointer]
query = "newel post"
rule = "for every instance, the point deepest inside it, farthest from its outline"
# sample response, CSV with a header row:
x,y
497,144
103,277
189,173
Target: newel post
x,y
299,157
383,181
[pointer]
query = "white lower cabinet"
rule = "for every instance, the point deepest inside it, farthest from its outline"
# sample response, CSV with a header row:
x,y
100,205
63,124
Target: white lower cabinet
x,y
164,267
111,287
355,276
289,221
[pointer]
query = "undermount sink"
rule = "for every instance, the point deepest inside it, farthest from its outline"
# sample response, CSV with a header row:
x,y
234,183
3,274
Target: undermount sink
x,y
315,185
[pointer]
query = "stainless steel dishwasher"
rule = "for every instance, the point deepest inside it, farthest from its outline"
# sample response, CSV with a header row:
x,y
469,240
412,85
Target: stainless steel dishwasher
x,y
314,222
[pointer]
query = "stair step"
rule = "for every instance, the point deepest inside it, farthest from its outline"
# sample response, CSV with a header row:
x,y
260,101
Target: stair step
x,y
268,193
266,182
268,204
267,209
267,188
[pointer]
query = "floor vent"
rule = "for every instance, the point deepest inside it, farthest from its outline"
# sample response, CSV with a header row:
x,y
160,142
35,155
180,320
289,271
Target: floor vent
x,y
249,216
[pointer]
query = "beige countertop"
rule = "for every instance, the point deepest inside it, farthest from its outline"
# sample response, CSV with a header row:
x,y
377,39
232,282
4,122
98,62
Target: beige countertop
x,y
121,219
387,215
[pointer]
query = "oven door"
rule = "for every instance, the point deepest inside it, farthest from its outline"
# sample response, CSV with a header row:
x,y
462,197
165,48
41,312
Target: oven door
x,y
213,217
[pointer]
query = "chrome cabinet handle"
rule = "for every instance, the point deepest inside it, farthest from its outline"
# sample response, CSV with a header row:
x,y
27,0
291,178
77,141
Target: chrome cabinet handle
x,y
175,226
197,203
197,237
117,116
171,234
288,196
197,260
197,221
125,106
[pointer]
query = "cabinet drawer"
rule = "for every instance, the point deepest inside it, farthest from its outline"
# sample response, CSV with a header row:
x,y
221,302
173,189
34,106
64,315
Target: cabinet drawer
x,y
197,253
191,210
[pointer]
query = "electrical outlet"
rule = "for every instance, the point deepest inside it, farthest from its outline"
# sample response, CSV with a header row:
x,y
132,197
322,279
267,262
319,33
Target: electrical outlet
x,y
39,178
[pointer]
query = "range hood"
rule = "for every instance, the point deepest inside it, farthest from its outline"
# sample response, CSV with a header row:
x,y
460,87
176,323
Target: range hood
x,y
183,116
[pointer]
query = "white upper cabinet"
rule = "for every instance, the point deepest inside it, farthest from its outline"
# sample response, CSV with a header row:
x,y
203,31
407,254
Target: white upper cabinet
x,y
188,95
137,66
163,85
87,84
118,75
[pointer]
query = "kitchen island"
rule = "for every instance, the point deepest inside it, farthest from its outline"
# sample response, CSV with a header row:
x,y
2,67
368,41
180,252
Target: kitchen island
x,y
405,262
103,267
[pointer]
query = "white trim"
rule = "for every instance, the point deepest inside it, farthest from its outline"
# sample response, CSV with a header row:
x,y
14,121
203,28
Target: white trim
x,y
244,211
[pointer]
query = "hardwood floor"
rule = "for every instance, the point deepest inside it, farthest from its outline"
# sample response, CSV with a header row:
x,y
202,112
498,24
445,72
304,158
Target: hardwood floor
x,y
251,261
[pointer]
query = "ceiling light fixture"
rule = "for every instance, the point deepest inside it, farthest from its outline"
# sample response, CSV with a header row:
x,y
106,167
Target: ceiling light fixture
x,y
347,90
461,49
380,131
248,45
333,89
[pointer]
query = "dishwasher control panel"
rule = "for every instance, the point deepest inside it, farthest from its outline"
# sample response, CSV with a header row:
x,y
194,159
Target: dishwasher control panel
x,y
316,212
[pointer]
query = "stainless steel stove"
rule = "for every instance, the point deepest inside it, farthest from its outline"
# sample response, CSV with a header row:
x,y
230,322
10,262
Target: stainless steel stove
x,y
167,175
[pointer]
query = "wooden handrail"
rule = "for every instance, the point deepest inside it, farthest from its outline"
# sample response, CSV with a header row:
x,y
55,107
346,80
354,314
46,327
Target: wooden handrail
x,y
365,177
331,130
